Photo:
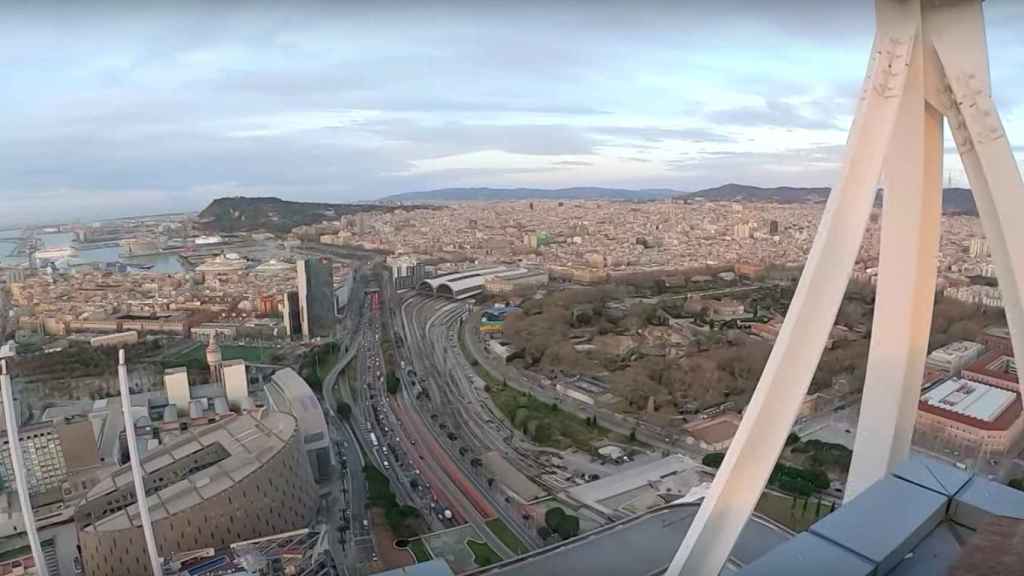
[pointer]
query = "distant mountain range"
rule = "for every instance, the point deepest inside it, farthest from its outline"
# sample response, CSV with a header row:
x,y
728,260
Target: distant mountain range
x,y
954,200
494,194
242,214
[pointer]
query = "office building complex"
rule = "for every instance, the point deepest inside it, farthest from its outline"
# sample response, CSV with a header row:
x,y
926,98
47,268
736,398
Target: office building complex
x,y
243,478
969,418
316,297
952,358
996,369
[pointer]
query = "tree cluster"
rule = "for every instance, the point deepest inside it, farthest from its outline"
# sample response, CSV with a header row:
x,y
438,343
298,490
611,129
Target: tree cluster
x,y
392,383
400,519
790,479
560,522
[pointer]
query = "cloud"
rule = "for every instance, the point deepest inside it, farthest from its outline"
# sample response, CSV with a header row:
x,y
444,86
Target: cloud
x,y
654,134
148,107
772,113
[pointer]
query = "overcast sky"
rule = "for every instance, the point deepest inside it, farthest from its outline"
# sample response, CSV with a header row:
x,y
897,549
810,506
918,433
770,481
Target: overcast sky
x,y
110,110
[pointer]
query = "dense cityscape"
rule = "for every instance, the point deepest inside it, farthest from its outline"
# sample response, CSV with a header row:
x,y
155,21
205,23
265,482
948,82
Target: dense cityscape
x,y
345,346
262,313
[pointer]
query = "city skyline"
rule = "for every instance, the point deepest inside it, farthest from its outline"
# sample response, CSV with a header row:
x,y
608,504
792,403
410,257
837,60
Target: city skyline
x,y
119,111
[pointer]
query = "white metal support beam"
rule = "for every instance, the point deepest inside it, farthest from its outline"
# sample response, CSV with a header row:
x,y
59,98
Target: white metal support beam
x,y
787,375
136,464
986,152
20,477
905,295
929,60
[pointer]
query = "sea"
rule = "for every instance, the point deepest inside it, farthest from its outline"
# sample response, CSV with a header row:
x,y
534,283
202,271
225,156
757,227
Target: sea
x,y
164,263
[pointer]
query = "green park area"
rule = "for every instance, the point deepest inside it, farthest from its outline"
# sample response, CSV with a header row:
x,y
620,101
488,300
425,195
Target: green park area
x,y
419,550
483,554
545,424
507,537
197,354
794,512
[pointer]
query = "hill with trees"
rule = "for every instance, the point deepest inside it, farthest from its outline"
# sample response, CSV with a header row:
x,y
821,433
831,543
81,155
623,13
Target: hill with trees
x,y
242,214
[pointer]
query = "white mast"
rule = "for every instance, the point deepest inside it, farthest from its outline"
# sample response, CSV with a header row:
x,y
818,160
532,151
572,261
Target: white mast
x,y
136,463
18,462
929,62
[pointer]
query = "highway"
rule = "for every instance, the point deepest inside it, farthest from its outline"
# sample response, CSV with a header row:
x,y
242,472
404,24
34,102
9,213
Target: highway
x,y
467,491
377,432
454,407
351,542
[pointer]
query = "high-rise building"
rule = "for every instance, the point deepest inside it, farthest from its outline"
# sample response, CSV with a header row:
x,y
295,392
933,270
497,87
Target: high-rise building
x,y
773,228
178,392
316,297
236,383
290,311
979,248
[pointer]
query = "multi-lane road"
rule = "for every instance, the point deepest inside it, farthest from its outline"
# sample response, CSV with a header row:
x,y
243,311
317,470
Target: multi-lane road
x,y
439,393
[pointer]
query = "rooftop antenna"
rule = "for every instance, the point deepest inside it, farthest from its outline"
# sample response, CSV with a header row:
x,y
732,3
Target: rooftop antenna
x,y
20,477
929,62
136,464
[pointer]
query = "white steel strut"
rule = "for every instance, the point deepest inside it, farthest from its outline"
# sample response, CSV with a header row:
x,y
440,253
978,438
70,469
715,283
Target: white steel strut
x,y
929,62
20,475
136,463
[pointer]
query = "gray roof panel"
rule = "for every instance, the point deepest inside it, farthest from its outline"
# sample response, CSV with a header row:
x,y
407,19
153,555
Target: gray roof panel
x,y
981,499
910,512
807,555
933,474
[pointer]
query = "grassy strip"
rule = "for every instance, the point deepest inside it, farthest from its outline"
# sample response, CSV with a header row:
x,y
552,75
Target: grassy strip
x,y
483,554
796,515
327,362
419,550
507,537
251,354
545,424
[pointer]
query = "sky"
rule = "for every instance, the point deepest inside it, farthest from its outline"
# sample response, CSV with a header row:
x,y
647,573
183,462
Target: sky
x,y
113,109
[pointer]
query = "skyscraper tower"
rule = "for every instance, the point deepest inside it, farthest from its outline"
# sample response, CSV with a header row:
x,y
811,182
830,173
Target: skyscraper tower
x,y
215,360
315,278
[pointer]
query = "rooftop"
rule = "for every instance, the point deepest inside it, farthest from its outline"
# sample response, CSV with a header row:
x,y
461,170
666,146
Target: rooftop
x,y
995,365
201,464
971,399
674,474
957,349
